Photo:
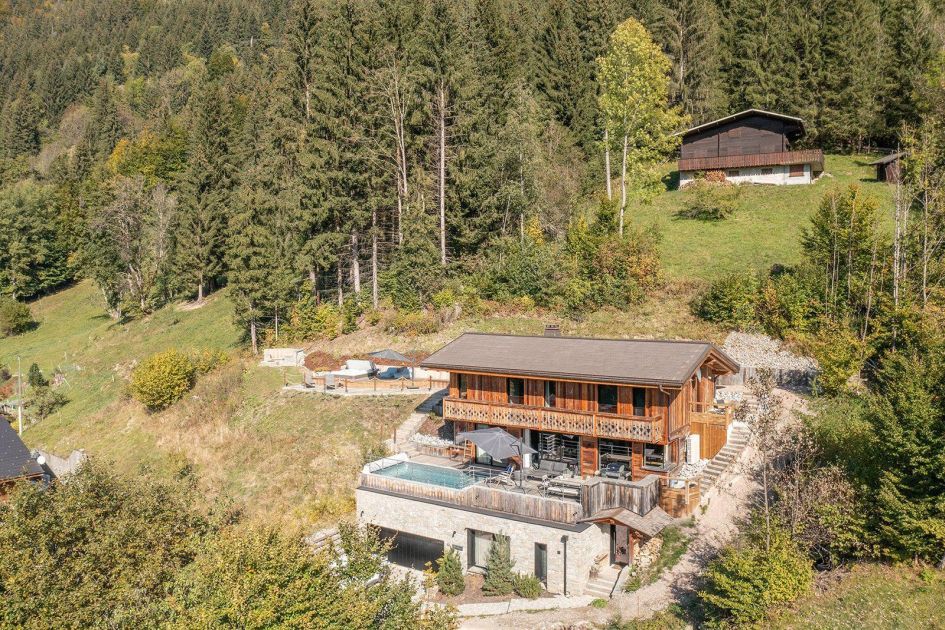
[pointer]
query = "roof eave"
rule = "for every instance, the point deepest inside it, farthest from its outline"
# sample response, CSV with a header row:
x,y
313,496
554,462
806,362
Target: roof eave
x,y
588,378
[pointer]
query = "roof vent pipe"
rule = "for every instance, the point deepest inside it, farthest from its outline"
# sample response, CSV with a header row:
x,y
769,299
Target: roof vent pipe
x,y
552,330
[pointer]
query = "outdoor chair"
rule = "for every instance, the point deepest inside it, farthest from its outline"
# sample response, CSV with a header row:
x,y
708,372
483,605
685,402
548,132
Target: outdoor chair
x,y
614,470
329,381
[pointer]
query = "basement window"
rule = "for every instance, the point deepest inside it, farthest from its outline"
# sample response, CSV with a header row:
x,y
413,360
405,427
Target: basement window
x,y
732,173
767,171
797,170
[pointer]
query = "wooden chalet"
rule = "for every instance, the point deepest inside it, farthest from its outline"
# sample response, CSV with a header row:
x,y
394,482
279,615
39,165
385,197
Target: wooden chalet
x,y
586,402
752,146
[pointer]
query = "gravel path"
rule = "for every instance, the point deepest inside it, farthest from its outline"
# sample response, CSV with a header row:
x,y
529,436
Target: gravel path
x,y
727,502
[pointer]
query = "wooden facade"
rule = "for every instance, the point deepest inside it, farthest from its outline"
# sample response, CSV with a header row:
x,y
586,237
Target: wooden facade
x,y
753,134
643,415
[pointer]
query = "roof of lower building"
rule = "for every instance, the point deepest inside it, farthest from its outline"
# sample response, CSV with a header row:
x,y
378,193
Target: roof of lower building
x,y
739,115
650,524
886,159
15,459
643,361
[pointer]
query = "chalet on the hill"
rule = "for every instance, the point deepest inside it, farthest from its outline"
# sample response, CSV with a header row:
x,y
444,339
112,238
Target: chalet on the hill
x,y
753,146
574,448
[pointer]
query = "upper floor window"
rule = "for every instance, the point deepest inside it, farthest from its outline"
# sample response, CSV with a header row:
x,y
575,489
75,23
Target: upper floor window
x,y
607,398
639,401
551,393
462,381
516,389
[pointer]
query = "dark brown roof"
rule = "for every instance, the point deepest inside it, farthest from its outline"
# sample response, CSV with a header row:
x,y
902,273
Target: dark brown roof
x,y
15,458
738,116
641,361
808,156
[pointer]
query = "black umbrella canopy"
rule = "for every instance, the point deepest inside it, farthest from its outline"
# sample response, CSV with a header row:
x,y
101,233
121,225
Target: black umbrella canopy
x,y
498,443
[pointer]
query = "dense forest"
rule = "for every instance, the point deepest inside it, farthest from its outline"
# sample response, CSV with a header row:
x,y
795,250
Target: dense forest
x,y
358,151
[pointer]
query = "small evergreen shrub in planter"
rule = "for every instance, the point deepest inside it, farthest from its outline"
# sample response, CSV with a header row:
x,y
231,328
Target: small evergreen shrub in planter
x,y
499,578
162,379
527,586
449,578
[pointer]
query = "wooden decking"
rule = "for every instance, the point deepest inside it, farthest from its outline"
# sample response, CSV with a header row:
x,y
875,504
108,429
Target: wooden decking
x,y
601,425
592,495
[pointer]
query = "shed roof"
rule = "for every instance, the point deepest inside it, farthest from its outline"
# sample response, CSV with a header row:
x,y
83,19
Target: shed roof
x,y
650,524
15,459
742,114
886,159
643,361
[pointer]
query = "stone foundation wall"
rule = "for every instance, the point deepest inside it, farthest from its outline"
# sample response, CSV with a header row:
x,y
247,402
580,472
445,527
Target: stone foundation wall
x,y
450,525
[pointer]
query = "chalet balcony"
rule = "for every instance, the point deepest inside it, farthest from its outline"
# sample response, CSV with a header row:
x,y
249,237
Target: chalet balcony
x,y
806,156
602,425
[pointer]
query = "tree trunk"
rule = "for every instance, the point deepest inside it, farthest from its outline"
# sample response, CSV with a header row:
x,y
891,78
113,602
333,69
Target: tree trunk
x,y
341,285
441,167
374,292
355,263
200,290
252,335
623,182
610,190
313,280
897,245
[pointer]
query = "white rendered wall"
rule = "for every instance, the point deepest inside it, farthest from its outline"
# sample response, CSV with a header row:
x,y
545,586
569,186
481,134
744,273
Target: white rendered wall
x,y
780,176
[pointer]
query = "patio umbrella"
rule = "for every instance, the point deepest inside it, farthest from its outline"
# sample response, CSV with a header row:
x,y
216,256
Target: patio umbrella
x,y
498,443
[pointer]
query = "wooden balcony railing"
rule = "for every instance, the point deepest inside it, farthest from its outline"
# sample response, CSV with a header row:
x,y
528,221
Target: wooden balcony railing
x,y
711,412
604,425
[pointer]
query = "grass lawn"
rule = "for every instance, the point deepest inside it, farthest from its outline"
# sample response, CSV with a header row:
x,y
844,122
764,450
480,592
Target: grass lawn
x,y
765,229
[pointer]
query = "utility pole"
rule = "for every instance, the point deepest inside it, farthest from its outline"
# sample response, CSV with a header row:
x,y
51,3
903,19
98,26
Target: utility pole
x,y
19,395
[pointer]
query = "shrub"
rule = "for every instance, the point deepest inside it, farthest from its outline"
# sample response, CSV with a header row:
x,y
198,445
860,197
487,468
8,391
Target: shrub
x,y
310,319
43,401
412,323
787,301
499,578
207,360
730,300
15,317
35,377
840,354
162,379
747,580
527,586
449,577
710,201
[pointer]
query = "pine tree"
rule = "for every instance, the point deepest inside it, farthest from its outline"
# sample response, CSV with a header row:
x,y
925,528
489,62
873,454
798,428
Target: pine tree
x,y
499,580
205,192
910,45
19,130
449,575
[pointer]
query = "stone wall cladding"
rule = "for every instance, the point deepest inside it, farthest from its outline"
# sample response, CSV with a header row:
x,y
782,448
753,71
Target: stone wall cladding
x,y
450,525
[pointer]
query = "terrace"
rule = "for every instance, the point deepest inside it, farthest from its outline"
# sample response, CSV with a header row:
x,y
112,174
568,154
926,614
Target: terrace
x,y
559,500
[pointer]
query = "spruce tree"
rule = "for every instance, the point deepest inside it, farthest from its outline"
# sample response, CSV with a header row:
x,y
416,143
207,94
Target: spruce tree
x,y
205,192
499,580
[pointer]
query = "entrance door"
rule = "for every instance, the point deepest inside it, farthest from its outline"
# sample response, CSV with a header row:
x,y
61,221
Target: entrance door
x,y
619,544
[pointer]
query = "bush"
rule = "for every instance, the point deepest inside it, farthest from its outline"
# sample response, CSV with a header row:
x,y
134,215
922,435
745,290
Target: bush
x,y
527,586
710,201
310,319
840,354
499,578
449,577
730,300
43,401
35,377
207,360
412,323
162,379
747,581
787,301
15,317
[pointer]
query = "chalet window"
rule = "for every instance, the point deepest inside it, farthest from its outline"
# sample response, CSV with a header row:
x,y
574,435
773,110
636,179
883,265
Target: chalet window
x,y
732,173
639,401
607,398
797,170
477,545
541,562
462,382
551,393
516,391
767,171
657,456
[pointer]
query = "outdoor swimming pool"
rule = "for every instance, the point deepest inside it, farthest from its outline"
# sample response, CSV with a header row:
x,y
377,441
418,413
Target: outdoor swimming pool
x,y
433,475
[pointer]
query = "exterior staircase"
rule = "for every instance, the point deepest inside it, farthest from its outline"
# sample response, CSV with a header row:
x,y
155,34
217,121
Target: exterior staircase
x,y
416,419
726,457
602,585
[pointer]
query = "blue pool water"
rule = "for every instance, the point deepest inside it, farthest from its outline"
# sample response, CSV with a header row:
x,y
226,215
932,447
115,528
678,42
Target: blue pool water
x,y
434,475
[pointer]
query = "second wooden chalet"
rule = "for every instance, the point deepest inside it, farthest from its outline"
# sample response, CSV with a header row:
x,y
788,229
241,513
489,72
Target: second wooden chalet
x,y
581,401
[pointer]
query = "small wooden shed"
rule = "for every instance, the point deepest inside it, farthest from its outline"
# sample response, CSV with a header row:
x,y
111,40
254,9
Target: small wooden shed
x,y
888,168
